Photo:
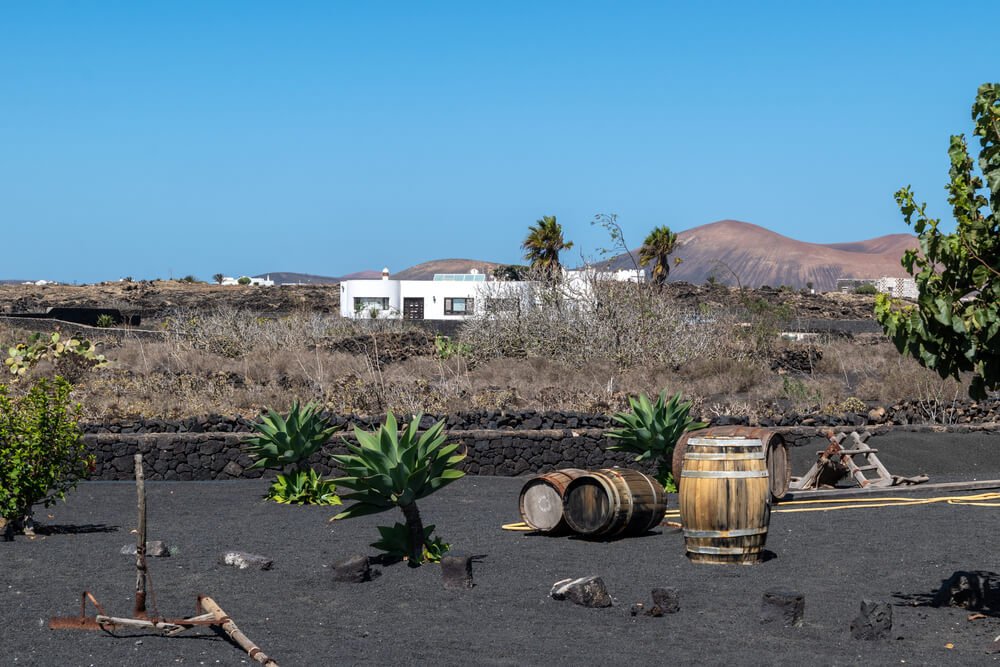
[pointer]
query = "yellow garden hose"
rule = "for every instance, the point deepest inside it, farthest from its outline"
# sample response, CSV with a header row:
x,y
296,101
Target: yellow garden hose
x,y
520,525
976,500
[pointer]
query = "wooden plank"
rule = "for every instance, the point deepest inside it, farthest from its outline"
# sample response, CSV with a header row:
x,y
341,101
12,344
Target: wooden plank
x,y
211,606
140,541
822,494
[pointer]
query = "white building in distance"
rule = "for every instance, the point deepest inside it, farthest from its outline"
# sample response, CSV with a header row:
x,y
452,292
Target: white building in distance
x,y
456,296
257,282
898,288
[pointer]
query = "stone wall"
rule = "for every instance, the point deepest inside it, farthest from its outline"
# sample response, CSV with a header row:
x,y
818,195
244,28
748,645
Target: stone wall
x,y
903,413
219,455
204,456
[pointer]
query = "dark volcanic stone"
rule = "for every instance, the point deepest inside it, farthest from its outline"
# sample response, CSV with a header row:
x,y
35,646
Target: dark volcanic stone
x,y
354,570
969,590
786,608
456,571
874,621
665,601
585,591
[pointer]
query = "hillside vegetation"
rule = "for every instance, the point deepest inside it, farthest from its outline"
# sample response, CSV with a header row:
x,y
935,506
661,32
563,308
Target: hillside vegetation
x,y
718,346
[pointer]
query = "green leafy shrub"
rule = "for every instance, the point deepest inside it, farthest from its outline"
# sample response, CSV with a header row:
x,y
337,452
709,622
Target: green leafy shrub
x,y
392,468
243,280
954,327
304,487
104,321
69,356
445,348
290,441
42,455
395,543
866,289
651,430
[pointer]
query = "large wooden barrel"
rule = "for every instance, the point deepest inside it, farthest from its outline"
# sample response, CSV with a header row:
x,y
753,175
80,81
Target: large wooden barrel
x,y
541,501
779,468
725,500
614,502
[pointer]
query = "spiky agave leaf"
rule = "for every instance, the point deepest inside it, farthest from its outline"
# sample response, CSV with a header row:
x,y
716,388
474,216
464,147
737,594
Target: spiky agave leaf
x,y
396,466
652,429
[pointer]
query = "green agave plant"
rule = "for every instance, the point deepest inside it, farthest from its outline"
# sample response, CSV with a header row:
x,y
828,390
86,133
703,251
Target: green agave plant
x,y
652,430
396,543
392,468
290,441
304,487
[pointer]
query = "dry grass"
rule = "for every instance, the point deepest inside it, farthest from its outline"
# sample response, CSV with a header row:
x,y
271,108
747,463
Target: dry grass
x,y
233,362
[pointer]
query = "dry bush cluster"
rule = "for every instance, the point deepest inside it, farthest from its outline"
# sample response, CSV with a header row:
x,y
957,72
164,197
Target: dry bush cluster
x,y
627,324
623,341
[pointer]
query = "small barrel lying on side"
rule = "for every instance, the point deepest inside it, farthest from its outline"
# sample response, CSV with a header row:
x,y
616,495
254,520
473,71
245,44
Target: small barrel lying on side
x,y
725,500
541,501
614,502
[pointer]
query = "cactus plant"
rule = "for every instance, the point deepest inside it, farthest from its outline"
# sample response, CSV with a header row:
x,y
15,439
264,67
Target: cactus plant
x,y
23,356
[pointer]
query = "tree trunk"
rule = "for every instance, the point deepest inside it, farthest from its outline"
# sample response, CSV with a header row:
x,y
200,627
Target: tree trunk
x,y
416,527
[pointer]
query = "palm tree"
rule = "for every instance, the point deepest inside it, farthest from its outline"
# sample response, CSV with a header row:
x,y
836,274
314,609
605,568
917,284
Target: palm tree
x,y
656,249
218,277
543,243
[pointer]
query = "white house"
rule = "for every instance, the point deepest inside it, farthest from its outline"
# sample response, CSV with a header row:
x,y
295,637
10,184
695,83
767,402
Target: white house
x,y
257,282
446,297
899,288
454,296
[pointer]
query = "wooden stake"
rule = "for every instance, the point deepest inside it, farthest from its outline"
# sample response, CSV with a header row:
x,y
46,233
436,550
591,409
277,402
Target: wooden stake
x,y
140,541
209,605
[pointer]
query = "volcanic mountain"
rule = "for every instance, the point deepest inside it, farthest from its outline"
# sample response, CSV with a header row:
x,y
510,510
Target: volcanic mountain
x,y
426,270
731,251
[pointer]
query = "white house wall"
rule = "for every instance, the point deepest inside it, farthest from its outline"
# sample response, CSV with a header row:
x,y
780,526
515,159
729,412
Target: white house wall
x,y
432,292
374,289
577,288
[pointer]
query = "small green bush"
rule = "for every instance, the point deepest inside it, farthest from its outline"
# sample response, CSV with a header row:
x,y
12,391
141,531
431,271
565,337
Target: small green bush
x,y
243,280
445,348
104,321
42,455
866,289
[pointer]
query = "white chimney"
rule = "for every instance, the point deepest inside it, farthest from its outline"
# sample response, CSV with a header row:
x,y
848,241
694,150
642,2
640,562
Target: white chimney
x,y
385,273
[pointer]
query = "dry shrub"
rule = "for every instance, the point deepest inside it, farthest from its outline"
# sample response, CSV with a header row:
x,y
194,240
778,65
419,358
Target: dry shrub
x,y
627,324
626,340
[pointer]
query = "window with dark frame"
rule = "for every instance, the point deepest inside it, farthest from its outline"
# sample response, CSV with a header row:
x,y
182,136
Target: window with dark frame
x,y
458,305
364,303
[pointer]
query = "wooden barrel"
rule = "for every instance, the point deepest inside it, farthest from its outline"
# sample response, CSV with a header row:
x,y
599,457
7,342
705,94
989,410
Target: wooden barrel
x,y
725,500
541,501
779,468
614,502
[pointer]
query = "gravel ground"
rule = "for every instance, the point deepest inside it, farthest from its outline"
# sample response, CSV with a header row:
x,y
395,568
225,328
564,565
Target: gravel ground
x,y
298,615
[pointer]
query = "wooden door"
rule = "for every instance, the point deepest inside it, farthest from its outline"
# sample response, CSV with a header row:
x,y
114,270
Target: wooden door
x,y
413,309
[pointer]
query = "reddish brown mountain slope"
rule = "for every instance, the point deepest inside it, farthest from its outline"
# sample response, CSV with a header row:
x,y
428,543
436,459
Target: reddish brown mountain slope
x,y
729,248
427,270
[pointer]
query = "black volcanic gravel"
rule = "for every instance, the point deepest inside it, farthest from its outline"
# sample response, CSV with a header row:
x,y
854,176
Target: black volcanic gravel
x,y
300,616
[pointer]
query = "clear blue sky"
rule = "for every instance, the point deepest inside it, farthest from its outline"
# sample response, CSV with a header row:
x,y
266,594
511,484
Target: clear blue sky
x,y
173,138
